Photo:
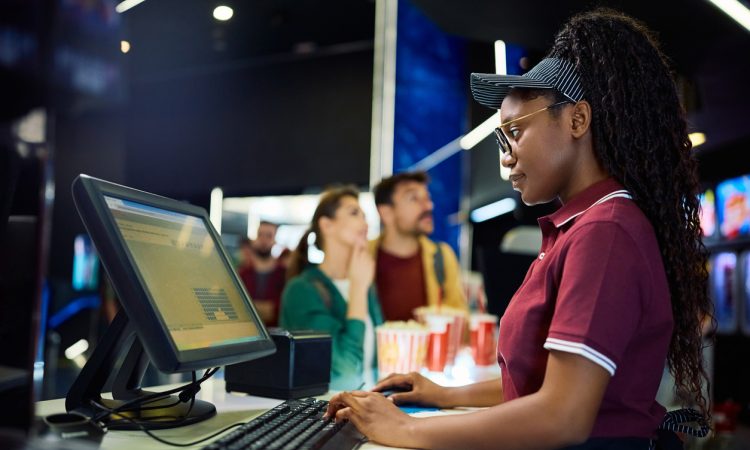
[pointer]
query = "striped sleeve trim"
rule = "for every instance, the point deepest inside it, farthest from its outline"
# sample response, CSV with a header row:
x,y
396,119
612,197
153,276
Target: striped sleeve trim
x,y
583,350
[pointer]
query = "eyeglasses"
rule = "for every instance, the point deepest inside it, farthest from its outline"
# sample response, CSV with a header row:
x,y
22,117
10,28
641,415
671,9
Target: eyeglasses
x,y
502,140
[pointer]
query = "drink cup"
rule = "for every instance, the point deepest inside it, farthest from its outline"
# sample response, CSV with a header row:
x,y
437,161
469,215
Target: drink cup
x,y
456,326
483,337
437,346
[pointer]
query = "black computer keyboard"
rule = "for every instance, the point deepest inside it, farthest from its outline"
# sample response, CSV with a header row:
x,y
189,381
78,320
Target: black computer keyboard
x,y
294,424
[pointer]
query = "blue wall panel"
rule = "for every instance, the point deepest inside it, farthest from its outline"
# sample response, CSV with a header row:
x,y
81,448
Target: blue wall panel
x,y
430,108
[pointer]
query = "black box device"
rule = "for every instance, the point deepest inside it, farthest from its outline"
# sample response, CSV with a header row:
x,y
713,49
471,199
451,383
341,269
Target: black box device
x,y
301,367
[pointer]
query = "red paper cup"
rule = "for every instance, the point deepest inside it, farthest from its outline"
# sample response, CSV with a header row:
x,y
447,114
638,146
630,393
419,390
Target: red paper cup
x,y
437,346
456,326
483,336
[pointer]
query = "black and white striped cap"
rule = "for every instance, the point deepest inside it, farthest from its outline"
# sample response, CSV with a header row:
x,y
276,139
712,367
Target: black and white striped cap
x,y
490,89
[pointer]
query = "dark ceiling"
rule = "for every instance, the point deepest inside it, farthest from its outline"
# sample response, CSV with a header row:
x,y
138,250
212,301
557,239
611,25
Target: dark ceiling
x,y
180,53
688,29
709,51
173,37
179,34
178,38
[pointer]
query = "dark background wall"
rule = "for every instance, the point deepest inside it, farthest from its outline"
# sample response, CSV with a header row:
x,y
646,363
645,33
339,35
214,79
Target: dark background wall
x,y
277,128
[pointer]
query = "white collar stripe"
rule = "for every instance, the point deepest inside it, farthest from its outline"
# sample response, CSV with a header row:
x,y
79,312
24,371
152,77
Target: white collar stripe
x,y
622,193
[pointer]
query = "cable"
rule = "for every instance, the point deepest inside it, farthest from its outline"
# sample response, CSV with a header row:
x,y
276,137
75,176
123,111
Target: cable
x,y
192,388
164,441
186,393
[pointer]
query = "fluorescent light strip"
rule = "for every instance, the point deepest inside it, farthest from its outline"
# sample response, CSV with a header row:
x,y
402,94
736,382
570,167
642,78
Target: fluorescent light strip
x,y
77,349
438,156
383,90
478,134
735,10
216,208
493,210
127,4
697,139
501,68
501,64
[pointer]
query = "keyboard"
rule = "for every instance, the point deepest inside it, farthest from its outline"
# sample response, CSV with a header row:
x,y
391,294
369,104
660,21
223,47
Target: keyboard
x,y
294,424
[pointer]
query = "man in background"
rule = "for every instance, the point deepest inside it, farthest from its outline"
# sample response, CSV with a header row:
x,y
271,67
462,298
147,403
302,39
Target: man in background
x,y
263,275
411,270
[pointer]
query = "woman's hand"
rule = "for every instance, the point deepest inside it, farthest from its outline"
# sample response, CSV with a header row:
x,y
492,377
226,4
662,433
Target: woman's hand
x,y
415,389
374,416
361,268
361,274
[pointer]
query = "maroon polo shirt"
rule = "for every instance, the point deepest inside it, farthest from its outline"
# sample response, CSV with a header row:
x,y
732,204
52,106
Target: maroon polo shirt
x,y
598,289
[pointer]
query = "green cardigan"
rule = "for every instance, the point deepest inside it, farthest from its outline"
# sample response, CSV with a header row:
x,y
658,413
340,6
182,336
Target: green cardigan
x,y
303,307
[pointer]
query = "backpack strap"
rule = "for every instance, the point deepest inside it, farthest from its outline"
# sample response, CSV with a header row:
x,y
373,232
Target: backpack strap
x,y
439,264
325,295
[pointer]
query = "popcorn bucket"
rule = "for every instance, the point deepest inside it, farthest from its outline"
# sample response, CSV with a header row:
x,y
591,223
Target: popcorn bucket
x,y
483,337
402,347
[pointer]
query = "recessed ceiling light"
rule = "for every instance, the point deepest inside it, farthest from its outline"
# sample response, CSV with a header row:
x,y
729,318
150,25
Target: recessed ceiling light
x,y
223,13
124,46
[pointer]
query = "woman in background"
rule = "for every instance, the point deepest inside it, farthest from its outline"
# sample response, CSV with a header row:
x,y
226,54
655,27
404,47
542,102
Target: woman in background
x,y
337,296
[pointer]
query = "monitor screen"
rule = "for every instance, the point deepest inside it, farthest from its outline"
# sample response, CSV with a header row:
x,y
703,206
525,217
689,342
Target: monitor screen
x,y
192,290
182,302
733,207
708,213
722,277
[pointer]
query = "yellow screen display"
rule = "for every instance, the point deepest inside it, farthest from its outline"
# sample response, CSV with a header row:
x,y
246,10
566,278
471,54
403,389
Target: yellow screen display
x,y
191,286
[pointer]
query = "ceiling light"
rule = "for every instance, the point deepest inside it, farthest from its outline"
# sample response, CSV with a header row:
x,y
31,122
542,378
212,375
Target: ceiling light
x,y
697,139
216,208
501,62
126,5
77,349
735,10
124,46
223,13
478,134
493,210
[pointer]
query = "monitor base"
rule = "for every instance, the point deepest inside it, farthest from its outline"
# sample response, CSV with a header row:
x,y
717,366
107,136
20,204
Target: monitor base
x,y
162,414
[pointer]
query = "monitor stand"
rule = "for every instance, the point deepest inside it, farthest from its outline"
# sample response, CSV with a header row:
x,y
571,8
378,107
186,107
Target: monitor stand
x,y
120,338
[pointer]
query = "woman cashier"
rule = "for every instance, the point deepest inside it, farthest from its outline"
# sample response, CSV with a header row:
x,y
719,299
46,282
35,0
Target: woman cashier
x,y
619,286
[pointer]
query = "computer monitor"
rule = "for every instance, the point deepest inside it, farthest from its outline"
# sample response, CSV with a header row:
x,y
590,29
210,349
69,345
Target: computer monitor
x,y
181,300
722,283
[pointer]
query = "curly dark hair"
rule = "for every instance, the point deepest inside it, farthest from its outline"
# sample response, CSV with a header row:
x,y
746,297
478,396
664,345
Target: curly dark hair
x,y
640,137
